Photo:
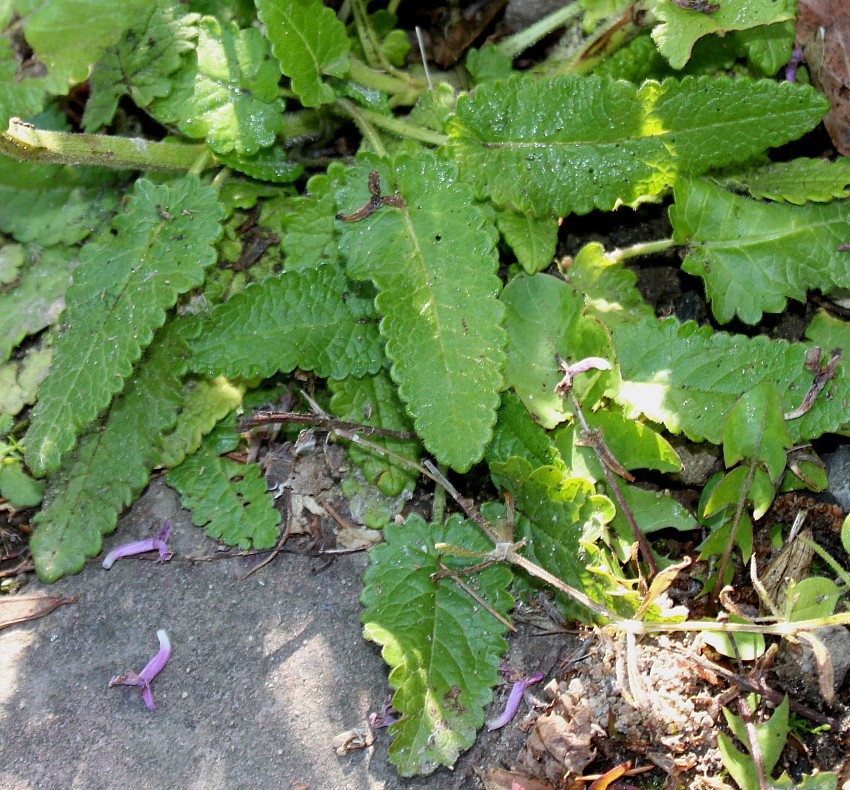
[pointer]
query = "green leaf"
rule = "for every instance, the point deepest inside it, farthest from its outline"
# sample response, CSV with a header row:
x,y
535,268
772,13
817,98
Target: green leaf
x,y
813,597
111,463
652,510
688,378
822,781
435,268
270,164
575,143
309,42
17,487
372,400
533,239
226,91
54,204
562,518
830,332
748,646
21,96
731,488
771,736
315,319
753,255
755,429
634,445
488,64
19,378
141,63
443,645
544,317
517,434
680,27
608,287
205,402
68,36
308,227
37,299
768,46
797,181
228,498
121,290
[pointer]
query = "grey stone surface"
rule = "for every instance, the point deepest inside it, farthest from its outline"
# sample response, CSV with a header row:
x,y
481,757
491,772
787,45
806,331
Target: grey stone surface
x,y
264,673
838,471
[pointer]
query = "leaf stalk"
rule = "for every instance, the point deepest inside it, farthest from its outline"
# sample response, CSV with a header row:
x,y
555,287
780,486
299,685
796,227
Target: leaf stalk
x,y
25,142
513,45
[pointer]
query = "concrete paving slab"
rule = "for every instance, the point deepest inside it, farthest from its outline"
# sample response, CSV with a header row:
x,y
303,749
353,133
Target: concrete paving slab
x,y
264,673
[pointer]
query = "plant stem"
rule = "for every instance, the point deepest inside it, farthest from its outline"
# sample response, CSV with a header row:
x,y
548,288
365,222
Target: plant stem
x,y
597,443
733,533
363,124
405,89
369,40
644,248
396,125
438,509
619,29
518,42
23,141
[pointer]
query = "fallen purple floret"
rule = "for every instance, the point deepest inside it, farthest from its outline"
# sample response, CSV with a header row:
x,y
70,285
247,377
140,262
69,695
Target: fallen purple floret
x,y
514,698
151,670
587,363
844,246
386,716
791,67
156,543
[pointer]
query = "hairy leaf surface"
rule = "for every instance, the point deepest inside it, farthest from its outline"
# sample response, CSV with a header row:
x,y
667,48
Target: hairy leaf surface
x,y
227,91
205,402
572,144
797,181
38,295
435,268
141,63
768,46
268,164
19,378
829,332
372,400
21,96
231,500
532,239
121,290
111,464
681,27
54,204
65,46
562,517
315,319
309,42
609,288
516,433
443,645
546,317
688,378
753,256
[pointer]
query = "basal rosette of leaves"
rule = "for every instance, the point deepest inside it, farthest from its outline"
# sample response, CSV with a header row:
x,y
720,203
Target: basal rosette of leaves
x,y
248,217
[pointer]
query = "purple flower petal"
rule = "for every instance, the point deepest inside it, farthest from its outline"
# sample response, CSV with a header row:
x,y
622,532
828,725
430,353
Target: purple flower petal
x,y
157,542
151,670
587,363
514,698
791,67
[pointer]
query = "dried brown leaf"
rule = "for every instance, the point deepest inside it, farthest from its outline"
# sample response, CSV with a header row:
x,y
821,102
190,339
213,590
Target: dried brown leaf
x,y
823,31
